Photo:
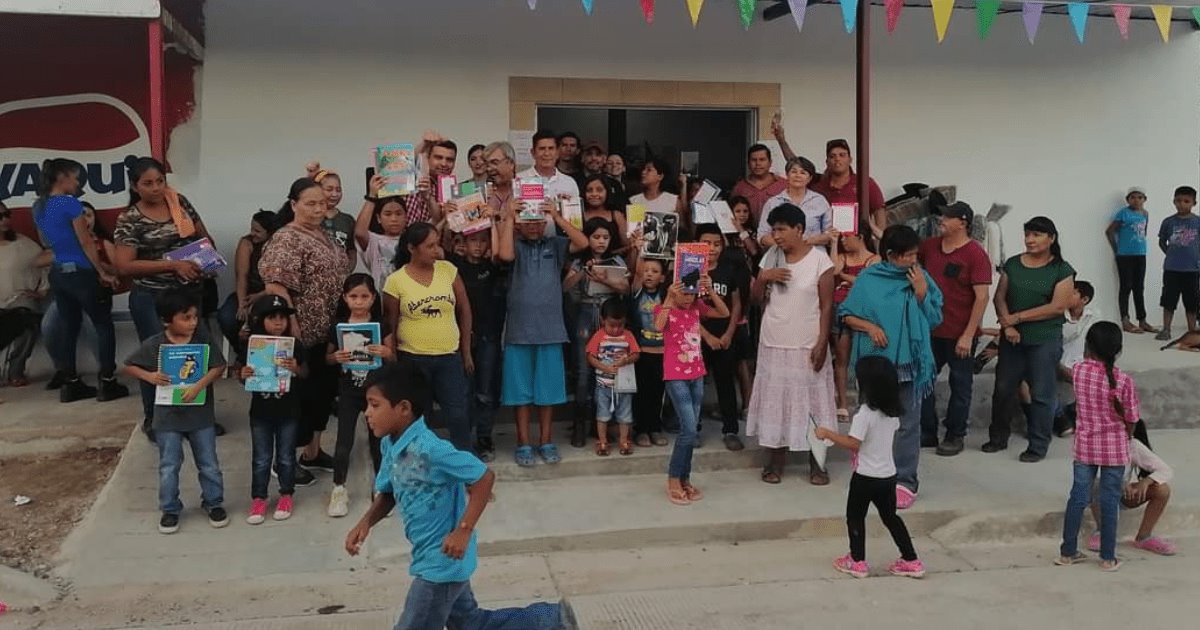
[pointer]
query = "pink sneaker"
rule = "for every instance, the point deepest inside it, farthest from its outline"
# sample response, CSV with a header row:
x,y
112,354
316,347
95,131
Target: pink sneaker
x,y
904,498
1094,542
907,568
847,565
258,511
283,509
1154,544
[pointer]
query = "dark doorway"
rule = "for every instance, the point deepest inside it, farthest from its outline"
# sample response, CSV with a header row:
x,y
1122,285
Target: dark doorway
x,y
718,137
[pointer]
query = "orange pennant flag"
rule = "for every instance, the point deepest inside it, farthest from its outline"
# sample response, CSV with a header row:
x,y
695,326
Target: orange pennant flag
x,y
1162,15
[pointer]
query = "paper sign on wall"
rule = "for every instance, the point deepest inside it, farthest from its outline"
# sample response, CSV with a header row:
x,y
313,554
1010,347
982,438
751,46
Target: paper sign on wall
x,y
522,144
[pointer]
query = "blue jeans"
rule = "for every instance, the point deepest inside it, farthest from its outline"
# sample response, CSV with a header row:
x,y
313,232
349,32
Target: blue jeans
x,y
147,323
231,326
485,385
686,396
76,293
170,458
432,606
906,446
445,374
962,377
1036,364
1081,494
273,440
587,320
54,328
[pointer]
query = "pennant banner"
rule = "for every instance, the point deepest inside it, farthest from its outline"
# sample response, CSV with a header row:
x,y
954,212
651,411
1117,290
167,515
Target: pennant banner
x,y
893,13
1031,13
694,7
1196,15
1079,15
1121,14
941,16
587,6
985,16
799,8
648,10
746,8
1162,15
532,4
849,14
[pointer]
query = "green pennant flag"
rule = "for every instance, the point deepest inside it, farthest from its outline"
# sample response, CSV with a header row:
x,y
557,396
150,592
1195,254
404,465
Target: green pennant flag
x,y
985,16
1196,15
746,8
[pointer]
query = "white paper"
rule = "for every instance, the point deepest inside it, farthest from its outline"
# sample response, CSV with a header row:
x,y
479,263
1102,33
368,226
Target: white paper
x,y
522,144
845,217
723,215
707,193
818,448
702,213
626,380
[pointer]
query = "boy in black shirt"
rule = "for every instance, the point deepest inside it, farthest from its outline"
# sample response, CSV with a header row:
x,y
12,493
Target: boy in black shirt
x,y
481,276
719,334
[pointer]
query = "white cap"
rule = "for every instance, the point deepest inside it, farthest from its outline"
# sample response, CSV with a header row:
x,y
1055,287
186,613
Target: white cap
x,y
1135,189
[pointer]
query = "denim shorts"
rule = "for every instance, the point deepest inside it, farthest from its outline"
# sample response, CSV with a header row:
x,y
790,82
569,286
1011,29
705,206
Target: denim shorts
x,y
613,406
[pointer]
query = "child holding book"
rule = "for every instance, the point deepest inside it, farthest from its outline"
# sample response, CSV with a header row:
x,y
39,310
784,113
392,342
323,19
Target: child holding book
x,y
173,423
390,216
651,292
721,345
360,304
683,371
274,416
439,493
611,348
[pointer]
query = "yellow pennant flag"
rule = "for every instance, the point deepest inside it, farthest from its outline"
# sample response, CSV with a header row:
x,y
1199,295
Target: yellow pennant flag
x,y
941,16
694,7
1162,15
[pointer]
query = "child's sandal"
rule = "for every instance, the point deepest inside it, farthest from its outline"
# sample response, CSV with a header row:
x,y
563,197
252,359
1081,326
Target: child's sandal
x,y
626,448
693,493
602,449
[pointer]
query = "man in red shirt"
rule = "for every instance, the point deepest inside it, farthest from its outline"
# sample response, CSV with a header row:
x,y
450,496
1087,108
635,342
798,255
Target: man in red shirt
x,y
839,184
962,270
760,184
441,154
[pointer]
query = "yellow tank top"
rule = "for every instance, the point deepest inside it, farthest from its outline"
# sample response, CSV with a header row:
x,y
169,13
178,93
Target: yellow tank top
x,y
427,324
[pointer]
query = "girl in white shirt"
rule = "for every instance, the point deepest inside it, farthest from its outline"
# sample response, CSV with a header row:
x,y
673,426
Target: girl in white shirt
x,y
874,478
1145,484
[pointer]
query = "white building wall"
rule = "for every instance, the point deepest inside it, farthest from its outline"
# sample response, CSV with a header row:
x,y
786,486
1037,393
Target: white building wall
x,y
1058,128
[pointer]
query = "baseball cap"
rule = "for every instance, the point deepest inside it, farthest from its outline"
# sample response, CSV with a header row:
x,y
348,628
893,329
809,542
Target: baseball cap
x,y
1135,189
839,143
959,210
594,145
267,304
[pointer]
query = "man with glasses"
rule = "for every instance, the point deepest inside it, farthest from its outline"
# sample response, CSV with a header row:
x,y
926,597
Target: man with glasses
x,y
838,184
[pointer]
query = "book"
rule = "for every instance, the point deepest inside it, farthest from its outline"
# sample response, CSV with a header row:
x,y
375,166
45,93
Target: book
x,y
354,338
531,194
724,216
572,210
691,259
708,192
626,380
263,353
445,187
467,188
660,232
844,217
635,216
184,364
207,258
702,213
689,162
609,272
472,214
397,164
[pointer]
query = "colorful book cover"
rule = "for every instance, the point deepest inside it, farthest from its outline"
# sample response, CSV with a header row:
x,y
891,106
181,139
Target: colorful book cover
x,y
572,210
184,364
355,338
690,261
468,188
531,194
635,216
473,214
660,233
263,353
445,187
397,164
845,217
207,258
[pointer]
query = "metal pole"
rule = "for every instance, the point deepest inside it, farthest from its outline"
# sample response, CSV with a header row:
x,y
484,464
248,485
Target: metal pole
x,y
863,109
155,38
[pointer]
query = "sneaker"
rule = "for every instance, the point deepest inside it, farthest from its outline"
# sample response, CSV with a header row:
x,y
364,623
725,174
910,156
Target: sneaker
x,y
486,449
907,568
993,446
110,389
56,381
929,441
304,478
219,429
74,390
1029,457
339,502
733,442
323,461
950,447
283,508
168,524
217,517
258,511
904,498
1093,544
1163,335
847,565
148,429
1154,544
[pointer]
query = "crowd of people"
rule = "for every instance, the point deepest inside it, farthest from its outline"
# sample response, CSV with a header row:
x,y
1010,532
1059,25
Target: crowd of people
x,y
525,312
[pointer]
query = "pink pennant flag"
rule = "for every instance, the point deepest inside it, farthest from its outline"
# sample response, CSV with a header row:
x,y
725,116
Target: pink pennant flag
x,y
799,8
893,13
1121,13
1031,12
648,10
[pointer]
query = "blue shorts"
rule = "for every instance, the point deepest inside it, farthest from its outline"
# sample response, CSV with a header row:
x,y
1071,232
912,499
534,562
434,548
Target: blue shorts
x,y
613,406
533,374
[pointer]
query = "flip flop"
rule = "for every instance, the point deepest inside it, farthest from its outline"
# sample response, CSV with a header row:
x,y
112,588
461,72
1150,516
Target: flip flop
x,y
1066,561
693,493
678,498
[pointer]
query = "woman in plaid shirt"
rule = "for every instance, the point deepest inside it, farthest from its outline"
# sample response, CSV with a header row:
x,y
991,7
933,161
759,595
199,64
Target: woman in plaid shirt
x,y
1107,404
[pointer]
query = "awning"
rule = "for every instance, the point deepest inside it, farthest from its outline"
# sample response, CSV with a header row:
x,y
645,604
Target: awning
x,y
88,8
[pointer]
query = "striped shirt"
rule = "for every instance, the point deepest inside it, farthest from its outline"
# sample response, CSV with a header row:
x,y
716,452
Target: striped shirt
x,y
1100,433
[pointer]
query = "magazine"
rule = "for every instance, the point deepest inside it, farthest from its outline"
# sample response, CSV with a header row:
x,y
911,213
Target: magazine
x,y
445,187
201,252
691,259
660,231
472,214
531,194
572,210
635,216
845,217
184,364
610,272
397,164
263,353
354,338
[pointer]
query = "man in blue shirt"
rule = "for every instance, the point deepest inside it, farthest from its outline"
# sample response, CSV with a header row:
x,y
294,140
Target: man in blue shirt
x,y
441,492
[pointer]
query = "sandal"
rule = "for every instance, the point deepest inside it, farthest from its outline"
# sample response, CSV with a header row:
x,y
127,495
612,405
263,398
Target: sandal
x,y
693,493
524,455
626,448
816,476
602,449
1110,565
678,497
1066,561
770,476
643,440
549,453
1130,328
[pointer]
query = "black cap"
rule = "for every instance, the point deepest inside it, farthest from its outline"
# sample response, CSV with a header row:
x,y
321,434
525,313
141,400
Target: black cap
x,y
839,143
959,210
267,304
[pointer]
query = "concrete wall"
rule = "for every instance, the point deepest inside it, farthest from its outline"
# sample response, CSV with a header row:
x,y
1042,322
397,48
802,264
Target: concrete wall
x,y
1059,128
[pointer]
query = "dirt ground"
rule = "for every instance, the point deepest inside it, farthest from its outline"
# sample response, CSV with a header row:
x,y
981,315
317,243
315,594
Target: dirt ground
x,y
62,486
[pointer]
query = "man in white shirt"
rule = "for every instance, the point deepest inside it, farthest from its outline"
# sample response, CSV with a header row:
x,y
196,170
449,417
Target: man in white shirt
x,y
545,170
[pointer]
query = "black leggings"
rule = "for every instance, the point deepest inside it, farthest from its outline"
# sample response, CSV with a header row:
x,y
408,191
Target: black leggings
x,y
352,402
317,392
882,492
648,401
1131,271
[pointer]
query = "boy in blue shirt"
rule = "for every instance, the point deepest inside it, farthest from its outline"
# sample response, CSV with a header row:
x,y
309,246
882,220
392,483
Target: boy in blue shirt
x,y
441,492
1179,239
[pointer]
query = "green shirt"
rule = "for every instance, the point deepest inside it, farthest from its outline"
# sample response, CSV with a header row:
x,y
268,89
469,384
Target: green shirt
x,y
1031,287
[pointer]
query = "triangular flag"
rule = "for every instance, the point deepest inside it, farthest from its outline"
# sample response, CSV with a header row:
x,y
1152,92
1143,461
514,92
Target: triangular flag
x,y
1121,14
893,13
694,7
746,8
1031,13
941,16
1196,15
587,6
799,8
985,16
1162,15
1079,14
648,10
849,14
532,4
